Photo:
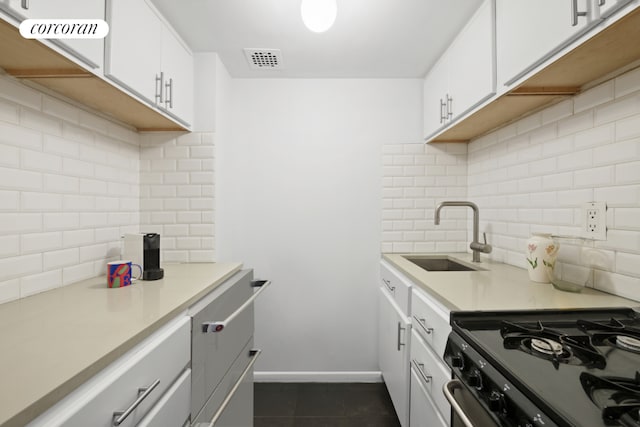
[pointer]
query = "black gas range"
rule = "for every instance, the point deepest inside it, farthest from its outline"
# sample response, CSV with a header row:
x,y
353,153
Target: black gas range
x,y
549,367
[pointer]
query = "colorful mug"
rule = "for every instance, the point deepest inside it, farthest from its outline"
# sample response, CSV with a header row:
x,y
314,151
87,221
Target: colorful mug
x,y
119,273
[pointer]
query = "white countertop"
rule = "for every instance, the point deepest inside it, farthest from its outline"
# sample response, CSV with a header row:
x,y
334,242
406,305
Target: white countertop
x,y
499,287
52,342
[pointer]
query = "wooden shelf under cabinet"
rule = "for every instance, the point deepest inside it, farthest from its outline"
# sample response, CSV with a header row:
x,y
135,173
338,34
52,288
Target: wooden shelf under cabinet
x,y
31,60
609,50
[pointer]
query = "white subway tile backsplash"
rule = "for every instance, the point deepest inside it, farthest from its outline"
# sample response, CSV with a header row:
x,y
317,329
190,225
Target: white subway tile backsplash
x,y
9,290
628,128
576,123
594,177
556,112
9,246
628,173
61,184
20,266
19,179
79,168
9,200
76,273
595,137
11,223
44,202
13,90
623,107
593,97
41,122
627,218
617,153
9,156
41,282
575,160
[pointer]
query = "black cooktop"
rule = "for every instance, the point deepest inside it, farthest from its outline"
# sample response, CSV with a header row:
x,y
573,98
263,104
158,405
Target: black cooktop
x,y
580,367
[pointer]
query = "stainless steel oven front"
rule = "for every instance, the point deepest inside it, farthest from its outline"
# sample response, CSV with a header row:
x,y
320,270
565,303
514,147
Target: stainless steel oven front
x,y
466,411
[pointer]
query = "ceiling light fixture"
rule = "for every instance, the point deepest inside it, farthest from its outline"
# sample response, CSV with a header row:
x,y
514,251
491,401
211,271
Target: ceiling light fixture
x,y
318,15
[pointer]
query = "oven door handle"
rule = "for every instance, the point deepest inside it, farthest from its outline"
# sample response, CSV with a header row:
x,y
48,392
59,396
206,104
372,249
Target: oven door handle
x,y
448,389
220,325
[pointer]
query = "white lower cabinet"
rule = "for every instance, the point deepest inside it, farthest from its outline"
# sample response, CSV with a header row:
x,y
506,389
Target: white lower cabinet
x,y
393,353
173,408
128,389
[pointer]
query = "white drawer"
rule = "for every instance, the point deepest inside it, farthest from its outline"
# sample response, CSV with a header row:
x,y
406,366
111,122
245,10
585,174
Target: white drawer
x,y
397,286
239,411
161,357
430,367
423,410
430,320
173,408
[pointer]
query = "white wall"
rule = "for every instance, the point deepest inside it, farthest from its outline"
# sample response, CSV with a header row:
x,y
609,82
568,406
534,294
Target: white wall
x,y
299,199
69,187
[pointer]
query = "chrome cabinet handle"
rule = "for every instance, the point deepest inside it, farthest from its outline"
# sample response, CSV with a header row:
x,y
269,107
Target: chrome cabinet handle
x,y
169,93
254,356
25,4
392,289
220,325
143,393
419,367
602,2
422,324
400,329
159,88
449,107
448,389
443,116
575,13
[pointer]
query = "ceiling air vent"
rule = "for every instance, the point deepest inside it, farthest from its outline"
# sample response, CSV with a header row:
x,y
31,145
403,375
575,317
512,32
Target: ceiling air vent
x,y
264,59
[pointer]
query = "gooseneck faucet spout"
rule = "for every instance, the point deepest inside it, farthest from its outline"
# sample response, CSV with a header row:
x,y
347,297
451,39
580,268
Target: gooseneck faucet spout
x,y
475,246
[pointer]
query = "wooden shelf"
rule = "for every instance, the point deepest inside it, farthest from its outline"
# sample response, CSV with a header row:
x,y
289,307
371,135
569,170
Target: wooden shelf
x,y
31,60
609,50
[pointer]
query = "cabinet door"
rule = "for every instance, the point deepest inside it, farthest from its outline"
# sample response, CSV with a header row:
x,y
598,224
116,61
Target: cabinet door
x,y
434,97
177,66
133,46
471,62
530,31
423,410
90,51
609,7
393,354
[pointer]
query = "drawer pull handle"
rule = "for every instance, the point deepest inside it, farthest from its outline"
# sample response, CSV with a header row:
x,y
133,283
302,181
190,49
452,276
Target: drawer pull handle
x,y
143,393
220,325
422,323
419,368
575,13
448,389
254,356
400,329
25,4
388,283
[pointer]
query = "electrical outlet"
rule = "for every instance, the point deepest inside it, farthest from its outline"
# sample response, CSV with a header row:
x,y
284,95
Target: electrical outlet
x,y
594,216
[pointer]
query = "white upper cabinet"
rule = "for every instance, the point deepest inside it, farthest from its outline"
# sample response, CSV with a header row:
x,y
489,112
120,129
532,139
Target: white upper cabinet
x,y
177,68
133,47
464,76
144,55
606,8
531,31
89,51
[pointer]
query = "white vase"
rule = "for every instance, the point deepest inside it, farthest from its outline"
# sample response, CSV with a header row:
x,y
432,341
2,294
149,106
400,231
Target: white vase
x,y
541,257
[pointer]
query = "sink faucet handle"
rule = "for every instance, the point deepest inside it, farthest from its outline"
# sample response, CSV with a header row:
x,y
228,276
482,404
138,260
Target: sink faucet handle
x,y
484,236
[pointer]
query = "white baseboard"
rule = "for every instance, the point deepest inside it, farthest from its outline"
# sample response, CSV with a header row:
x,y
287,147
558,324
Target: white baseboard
x,y
318,377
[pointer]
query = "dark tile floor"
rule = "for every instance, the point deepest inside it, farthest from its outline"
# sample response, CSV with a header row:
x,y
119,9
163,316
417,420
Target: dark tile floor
x,y
323,405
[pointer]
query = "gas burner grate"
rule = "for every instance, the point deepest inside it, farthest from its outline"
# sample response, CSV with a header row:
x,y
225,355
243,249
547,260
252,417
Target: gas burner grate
x,y
614,333
552,345
618,398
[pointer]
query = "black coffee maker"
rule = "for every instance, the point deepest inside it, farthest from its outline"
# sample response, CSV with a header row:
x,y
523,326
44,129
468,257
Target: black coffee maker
x,y
144,249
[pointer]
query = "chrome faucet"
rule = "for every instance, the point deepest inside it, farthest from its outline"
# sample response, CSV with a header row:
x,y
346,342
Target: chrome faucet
x,y
475,246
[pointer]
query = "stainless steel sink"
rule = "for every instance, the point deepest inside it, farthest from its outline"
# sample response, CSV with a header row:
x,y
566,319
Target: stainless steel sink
x,y
439,264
